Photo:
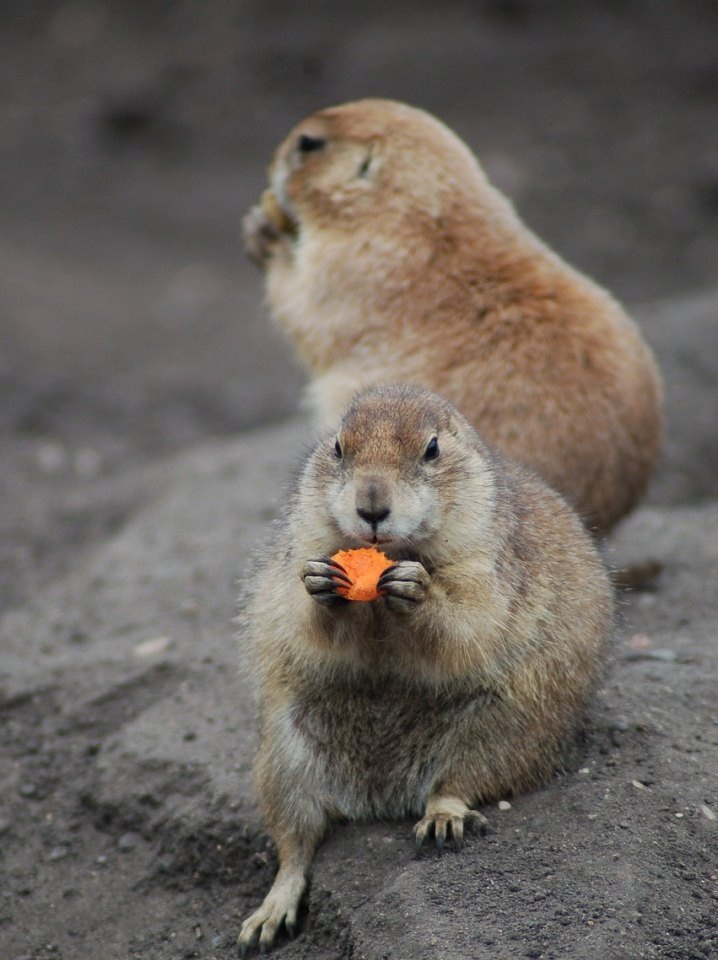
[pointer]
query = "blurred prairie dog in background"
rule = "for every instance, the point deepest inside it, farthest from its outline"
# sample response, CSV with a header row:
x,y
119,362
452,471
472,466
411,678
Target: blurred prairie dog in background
x,y
461,683
389,257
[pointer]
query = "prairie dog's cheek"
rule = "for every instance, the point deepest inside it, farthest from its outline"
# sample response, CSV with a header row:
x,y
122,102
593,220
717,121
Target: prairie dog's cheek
x,y
279,181
416,511
342,506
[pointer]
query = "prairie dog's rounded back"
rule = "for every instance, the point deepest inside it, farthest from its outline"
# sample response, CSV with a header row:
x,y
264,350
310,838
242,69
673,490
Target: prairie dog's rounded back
x,y
402,263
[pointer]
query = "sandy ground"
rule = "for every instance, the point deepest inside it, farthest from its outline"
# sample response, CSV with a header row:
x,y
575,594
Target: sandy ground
x,y
145,444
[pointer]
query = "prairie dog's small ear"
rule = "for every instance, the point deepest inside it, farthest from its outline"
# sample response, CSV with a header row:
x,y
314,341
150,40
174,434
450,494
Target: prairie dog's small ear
x,y
370,161
454,426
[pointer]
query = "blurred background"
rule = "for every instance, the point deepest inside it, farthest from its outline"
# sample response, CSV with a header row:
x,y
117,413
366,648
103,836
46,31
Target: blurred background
x,y
134,135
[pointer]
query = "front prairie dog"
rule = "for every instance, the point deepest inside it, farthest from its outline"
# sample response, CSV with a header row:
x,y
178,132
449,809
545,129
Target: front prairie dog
x,y
402,263
462,683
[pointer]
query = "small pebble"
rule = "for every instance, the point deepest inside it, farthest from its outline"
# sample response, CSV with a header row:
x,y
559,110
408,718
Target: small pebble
x,y
128,841
58,853
584,770
705,810
640,641
638,785
624,824
28,790
51,457
102,860
5,825
680,816
504,805
153,647
667,656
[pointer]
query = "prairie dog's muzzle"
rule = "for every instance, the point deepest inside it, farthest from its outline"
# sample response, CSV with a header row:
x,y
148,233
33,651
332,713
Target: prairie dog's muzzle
x,y
373,499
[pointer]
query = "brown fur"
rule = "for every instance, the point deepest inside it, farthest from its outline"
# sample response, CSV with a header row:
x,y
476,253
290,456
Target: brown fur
x,y
402,263
458,687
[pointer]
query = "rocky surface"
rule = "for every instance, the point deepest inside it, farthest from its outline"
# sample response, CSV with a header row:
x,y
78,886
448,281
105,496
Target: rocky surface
x,y
145,448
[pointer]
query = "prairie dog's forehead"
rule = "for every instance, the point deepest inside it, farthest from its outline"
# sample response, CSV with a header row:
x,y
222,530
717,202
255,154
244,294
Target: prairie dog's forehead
x,y
359,121
393,418
332,124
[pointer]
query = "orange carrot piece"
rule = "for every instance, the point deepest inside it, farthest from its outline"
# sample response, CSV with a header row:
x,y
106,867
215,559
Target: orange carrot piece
x,y
364,566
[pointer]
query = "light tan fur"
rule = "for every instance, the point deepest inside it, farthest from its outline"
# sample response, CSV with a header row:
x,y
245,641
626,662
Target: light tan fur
x,y
462,683
394,259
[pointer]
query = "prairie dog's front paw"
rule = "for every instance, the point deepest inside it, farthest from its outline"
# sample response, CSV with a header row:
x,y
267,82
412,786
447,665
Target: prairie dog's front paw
x,y
261,235
404,585
321,577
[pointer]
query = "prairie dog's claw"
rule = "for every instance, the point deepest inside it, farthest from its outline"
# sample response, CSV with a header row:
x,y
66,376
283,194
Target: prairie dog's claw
x,y
446,815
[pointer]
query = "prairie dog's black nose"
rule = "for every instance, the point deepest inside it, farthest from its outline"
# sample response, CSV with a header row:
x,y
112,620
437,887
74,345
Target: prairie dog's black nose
x,y
374,516
373,499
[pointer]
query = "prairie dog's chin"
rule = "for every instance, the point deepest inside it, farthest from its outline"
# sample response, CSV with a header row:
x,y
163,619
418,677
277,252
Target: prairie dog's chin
x,y
370,539
379,541
391,545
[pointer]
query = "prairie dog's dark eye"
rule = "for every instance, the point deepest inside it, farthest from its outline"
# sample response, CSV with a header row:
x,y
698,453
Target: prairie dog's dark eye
x,y
432,449
338,450
307,144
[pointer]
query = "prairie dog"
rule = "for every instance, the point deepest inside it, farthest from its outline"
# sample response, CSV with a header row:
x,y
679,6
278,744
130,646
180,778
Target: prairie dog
x,y
389,257
462,683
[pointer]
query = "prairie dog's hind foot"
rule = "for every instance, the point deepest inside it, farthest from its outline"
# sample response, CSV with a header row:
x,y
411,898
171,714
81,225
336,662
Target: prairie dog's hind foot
x,y
445,816
280,906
